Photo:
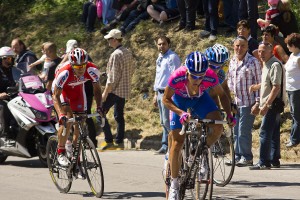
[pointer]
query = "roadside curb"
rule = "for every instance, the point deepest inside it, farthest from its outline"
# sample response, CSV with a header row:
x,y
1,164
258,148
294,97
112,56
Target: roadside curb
x,y
133,143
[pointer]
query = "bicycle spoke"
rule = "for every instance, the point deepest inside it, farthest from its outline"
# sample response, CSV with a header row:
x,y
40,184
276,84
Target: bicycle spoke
x,y
93,168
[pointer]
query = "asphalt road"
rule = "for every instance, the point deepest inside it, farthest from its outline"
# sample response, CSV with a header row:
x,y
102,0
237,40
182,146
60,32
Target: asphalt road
x,y
137,175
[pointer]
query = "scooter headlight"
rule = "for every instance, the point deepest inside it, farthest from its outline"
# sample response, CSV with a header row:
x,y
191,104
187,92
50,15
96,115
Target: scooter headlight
x,y
39,115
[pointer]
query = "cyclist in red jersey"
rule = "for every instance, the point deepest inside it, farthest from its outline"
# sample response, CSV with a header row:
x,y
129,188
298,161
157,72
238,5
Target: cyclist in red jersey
x,y
69,95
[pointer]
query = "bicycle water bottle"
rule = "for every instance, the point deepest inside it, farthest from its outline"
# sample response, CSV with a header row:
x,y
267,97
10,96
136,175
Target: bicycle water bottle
x,y
166,161
69,148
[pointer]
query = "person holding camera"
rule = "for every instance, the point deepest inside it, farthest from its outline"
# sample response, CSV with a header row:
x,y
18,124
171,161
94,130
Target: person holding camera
x,y
270,89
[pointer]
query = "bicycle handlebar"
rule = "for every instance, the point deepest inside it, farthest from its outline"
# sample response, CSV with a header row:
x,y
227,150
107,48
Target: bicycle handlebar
x,y
205,121
72,120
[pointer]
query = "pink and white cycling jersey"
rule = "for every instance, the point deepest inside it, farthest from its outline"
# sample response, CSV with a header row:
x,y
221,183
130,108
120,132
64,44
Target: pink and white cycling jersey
x,y
178,81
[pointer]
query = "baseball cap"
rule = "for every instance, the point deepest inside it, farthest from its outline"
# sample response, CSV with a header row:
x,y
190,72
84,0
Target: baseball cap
x,y
71,44
114,33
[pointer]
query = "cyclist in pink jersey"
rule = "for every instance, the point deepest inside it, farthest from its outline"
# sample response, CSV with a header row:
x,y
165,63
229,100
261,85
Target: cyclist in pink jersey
x,y
186,90
69,95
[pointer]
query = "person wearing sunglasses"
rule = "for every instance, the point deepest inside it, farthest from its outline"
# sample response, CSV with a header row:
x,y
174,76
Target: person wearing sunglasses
x,y
6,80
69,95
186,90
217,56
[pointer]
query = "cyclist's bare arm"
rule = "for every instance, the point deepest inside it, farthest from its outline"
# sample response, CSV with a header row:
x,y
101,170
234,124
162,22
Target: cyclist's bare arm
x,y
168,102
225,101
56,100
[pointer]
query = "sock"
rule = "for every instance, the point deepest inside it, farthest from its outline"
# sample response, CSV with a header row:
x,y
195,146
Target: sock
x,y
60,151
174,183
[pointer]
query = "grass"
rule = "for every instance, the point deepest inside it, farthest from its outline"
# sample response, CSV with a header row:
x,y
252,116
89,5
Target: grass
x,y
59,21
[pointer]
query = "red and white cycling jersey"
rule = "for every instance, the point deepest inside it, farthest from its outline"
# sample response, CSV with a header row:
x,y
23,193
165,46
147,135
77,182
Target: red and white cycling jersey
x,y
73,92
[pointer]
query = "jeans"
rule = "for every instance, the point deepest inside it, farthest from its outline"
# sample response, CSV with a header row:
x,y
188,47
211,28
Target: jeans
x,y
210,8
187,10
248,10
243,133
269,152
89,15
133,19
231,12
294,97
164,115
118,103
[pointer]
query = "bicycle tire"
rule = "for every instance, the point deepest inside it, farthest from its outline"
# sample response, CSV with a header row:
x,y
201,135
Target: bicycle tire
x,y
58,174
224,160
204,187
93,167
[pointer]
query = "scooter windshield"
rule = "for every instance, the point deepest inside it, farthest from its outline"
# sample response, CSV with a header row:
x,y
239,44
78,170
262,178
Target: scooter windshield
x,y
16,74
32,84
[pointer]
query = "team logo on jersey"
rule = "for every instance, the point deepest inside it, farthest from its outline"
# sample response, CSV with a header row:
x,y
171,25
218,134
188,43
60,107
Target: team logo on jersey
x,y
178,79
63,77
93,75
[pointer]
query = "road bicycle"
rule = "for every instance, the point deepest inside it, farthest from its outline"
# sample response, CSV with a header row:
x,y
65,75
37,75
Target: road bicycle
x,y
224,158
85,161
196,172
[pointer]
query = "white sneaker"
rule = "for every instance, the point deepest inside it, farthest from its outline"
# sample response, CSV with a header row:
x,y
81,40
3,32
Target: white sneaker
x,y
173,194
63,160
203,170
212,37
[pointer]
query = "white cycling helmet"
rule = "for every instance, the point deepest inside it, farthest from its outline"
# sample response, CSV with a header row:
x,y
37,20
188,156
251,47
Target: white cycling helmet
x,y
6,51
78,56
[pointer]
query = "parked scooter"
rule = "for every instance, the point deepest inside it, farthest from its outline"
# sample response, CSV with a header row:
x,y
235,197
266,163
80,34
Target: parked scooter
x,y
32,108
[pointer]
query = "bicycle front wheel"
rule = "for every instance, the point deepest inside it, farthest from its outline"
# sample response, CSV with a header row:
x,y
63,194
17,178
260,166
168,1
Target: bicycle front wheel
x,y
58,173
93,168
204,176
224,160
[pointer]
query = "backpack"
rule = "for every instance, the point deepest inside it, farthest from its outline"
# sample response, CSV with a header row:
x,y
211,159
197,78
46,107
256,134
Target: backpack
x,y
99,6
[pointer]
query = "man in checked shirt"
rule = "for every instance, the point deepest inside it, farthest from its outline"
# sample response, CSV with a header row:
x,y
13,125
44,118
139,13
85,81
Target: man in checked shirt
x,y
118,86
244,75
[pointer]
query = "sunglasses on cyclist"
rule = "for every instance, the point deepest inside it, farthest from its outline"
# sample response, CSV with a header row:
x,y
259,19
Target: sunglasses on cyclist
x,y
216,66
195,77
79,66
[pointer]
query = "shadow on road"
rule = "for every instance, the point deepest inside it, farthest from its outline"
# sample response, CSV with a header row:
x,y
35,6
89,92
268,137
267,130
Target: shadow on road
x,y
130,195
265,184
25,163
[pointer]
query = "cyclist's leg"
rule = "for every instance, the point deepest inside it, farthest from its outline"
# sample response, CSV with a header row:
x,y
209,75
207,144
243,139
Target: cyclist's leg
x,y
175,150
205,107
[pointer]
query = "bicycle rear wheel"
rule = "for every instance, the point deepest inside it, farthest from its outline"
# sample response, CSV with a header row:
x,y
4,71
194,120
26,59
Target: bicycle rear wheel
x,y
58,173
224,160
93,168
204,179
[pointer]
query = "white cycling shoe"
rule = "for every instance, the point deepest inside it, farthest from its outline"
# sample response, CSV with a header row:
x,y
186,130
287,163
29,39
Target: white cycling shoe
x,y
63,160
173,194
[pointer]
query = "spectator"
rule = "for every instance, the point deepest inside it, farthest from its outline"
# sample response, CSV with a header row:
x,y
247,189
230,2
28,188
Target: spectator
x,y
272,75
118,86
286,21
248,10
135,16
6,80
243,29
244,71
230,15
271,13
268,36
187,10
211,19
41,60
163,10
54,60
89,15
166,63
292,68
199,10
24,56
123,8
